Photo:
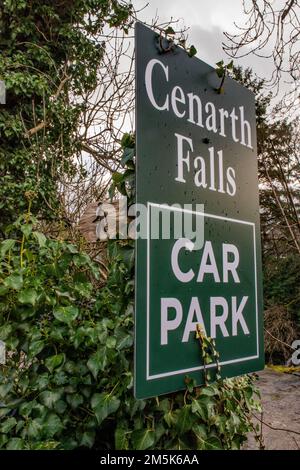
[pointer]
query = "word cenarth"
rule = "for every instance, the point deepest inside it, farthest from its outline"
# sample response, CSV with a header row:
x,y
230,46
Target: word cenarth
x,y
191,107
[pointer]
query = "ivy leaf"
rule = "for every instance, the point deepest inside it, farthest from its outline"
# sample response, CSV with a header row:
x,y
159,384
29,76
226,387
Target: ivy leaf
x,y
5,389
208,391
220,72
75,400
199,408
15,444
121,438
200,432
6,245
185,419
5,331
104,405
169,30
28,296
97,362
40,238
117,177
192,51
8,425
230,65
49,398
55,361
124,339
128,141
213,443
26,408
143,439
34,429
26,229
88,439
52,425
35,347
14,281
127,156
66,314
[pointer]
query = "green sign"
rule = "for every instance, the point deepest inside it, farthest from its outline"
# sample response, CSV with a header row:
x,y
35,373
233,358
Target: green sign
x,y
198,256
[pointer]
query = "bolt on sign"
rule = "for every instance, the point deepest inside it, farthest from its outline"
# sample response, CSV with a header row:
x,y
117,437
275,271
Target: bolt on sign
x,y
200,262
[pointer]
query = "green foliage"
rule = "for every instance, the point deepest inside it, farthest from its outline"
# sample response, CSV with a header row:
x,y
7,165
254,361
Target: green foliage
x,y
68,380
124,182
49,58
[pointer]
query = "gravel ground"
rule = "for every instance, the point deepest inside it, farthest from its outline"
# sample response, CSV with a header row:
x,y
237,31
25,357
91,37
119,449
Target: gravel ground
x,y
280,394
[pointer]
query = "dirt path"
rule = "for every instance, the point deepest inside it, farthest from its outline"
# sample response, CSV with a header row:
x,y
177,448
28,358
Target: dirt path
x,y
281,409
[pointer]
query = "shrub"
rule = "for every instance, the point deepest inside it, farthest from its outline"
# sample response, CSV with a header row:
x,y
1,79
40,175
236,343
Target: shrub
x,y
68,379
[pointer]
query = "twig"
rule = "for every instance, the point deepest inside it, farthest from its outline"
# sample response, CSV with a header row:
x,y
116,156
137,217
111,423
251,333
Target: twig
x,y
279,340
273,428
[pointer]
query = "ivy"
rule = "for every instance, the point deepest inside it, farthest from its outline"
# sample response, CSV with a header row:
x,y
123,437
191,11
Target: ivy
x,y
68,380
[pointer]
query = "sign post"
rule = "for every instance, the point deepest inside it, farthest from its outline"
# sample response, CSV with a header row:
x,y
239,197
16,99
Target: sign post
x,y
199,261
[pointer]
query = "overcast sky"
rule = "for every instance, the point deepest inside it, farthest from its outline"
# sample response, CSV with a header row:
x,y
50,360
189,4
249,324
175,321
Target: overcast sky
x,y
206,20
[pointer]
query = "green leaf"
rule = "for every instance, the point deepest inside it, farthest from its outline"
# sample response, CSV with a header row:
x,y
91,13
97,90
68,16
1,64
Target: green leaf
x,y
26,229
15,444
49,398
28,296
192,51
97,362
208,391
55,361
199,408
128,141
186,419
8,425
75,400
124,339
121,438
3,290
5,331
143,439
230,65
52,425
14,281
220,72
35,347
88,439
34,429
104,405
117,177
40,238
169,30
200,431
213,443
25,409
66,314
127,156
6,245
5,389
72,248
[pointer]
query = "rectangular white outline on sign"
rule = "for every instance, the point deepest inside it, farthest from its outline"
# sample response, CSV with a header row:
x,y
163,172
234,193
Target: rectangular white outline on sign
x,y
212,216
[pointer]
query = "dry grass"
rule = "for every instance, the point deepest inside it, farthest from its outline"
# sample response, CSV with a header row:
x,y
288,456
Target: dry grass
x,y
280,332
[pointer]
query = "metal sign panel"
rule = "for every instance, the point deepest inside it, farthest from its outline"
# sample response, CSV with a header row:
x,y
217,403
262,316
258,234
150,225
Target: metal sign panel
x,y
198,259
